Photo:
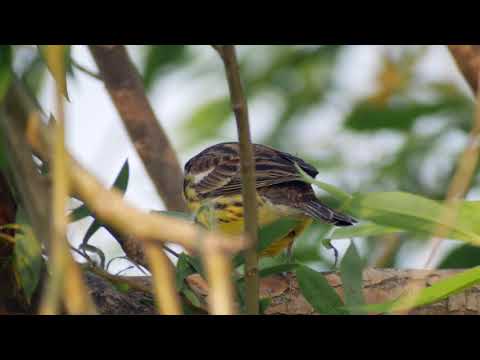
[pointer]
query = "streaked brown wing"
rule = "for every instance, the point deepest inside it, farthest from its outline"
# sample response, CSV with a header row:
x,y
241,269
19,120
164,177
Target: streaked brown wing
x,y
221,164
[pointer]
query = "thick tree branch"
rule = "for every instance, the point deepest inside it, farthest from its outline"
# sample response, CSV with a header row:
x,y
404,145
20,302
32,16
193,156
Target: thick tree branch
x,y
467,58
379,285
125,87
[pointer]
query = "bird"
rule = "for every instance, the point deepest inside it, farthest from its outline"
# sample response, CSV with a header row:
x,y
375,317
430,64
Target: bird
x,y
212,189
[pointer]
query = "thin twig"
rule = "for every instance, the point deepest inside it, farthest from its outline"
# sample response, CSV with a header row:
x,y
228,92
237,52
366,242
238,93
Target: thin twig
x,y
247,169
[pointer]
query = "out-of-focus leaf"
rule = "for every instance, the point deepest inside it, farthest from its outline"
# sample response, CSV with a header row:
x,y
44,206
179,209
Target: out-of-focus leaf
x,y
98,252
368,116
318,292
51,55
34,75
307,245
159,59
463,257
92,229
183,269
272,270
175,214
333,190
80,213
269,234
263,305
415,213
206,122
27,259
121,181
438,291
5,69
363,230
351,270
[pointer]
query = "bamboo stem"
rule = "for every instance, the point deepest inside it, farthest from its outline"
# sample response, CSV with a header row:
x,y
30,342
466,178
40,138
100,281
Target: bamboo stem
x,y
163,278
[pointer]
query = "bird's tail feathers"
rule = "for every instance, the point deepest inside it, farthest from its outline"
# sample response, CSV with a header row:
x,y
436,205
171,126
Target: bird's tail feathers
x,y
323,213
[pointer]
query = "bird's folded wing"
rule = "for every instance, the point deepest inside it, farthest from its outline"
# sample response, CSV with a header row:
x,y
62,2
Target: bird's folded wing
x,y
224,178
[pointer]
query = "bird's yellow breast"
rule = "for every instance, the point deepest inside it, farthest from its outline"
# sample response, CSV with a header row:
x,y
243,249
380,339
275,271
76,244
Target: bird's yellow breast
x,y
225,213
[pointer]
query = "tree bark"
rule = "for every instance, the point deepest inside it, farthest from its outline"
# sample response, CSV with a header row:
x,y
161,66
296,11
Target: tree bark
x,y
126,90
379,285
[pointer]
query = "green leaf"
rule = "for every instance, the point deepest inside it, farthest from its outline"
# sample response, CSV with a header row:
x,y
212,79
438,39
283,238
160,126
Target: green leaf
x,y
175,214
192,297
462,257
272,270
269,234
368,116
264,304
121,181
183,269
333,190
58,69
80,213
440,290
363,230
307,245
159,59
27,259
351,270
206,122
318,292
5,69
416,213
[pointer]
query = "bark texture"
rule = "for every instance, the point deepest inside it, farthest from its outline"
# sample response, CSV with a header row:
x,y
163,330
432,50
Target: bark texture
x,y
126,90
379,285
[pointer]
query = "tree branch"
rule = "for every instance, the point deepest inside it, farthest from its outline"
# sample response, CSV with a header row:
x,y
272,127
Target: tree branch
x,y
126,90
379,285
467,58
247,169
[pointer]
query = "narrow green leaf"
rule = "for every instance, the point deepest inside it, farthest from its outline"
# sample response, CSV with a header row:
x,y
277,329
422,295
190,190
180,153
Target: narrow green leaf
x,y
332,190
27,259
79,213
367,116
183,270
272,270
175,214
351,269
440,290
192,297
5,69
161,58
264,304
462,257
363,230
121,181
416,213
318,292
269,234
92,229
206,122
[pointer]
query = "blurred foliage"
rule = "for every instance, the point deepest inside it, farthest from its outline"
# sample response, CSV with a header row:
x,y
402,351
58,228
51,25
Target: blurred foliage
x,y
421,113
394,191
